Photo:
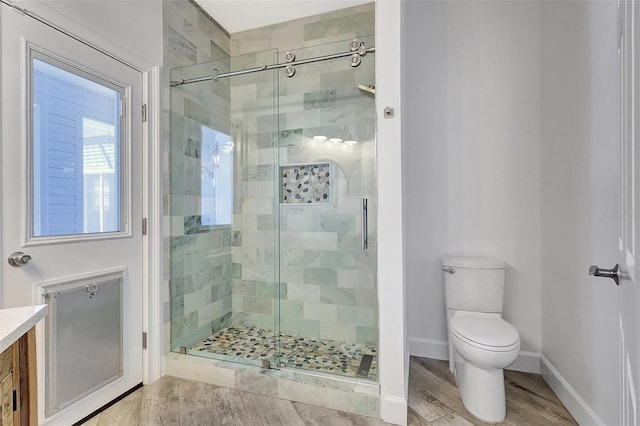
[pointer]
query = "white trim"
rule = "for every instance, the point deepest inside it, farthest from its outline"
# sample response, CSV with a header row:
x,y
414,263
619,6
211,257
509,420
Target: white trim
x,y
528,362
152,320
578,408
393,409
429,348
392,315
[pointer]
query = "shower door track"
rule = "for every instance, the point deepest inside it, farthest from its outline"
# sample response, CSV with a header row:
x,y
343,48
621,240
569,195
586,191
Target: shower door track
x,y
356,54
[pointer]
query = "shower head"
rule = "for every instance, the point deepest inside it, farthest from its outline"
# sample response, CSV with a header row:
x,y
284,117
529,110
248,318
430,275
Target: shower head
x,y
369,90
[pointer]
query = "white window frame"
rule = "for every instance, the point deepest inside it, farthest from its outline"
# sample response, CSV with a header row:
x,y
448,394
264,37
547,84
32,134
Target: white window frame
x,y
125,140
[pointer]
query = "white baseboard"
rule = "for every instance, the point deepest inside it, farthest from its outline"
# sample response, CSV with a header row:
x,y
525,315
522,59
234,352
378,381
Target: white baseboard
x,y
429,348
393,410
528,362
578,408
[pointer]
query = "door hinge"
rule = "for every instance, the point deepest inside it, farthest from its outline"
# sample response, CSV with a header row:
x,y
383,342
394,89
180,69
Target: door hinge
x,y
144,340
144,113
144,226
15,400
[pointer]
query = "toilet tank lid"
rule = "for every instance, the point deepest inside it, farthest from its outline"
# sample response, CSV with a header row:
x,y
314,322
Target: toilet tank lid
x,y
473,262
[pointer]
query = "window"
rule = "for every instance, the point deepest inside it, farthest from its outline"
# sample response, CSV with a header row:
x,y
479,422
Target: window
x,y
216,189
75,151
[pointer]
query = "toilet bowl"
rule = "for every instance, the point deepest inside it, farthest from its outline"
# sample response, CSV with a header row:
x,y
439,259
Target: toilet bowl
x,y
481,343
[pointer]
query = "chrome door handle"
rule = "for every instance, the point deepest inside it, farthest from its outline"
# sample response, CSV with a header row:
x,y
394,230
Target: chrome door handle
x,y
449,270
614,273
365,225
18,258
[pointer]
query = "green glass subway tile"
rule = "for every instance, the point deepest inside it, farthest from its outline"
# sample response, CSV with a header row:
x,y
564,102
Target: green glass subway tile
x,y
236,238
309,328
357,316
244,288
258,305
197,112
221,323
290,137
255,320
367,297
181,286
337,331
337,223
176,305
226,238
227,269
264,173
265,289
227,303
337,259
350,241
225,289
368,335
183,245
362,24
265,222
346,78
320,276
338,296
181,327
291,308
321,29
305,292
196,300
320,311
236,269
209,311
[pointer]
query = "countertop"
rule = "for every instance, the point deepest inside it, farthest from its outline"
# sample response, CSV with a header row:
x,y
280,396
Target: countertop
x,y
14,322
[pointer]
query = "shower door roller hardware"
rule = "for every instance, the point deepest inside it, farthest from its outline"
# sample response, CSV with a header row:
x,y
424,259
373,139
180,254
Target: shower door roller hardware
x,y
365,225
356,59
355,45
290,71
388,112
614,273
290,57
449,270
18,258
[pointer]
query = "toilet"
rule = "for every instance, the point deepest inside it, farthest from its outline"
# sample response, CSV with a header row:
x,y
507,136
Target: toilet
x,y
481,343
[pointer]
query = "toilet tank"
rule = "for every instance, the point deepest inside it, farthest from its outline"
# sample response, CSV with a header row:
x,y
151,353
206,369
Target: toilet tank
x,y
473,283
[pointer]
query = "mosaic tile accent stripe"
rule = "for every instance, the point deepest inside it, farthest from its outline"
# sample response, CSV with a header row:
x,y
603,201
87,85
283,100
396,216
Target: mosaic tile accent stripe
x,y
306,184
238,342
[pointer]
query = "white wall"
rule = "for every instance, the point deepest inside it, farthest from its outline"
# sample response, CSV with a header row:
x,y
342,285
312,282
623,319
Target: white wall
x,y
579,157
472,157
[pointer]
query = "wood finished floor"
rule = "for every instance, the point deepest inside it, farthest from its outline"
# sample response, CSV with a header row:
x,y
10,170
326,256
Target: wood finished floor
x,y
433,400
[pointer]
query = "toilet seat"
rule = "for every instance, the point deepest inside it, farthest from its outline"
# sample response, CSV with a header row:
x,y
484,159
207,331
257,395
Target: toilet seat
x,y
484,331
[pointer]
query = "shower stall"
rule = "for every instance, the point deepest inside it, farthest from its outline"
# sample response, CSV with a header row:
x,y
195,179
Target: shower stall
x,y
272,200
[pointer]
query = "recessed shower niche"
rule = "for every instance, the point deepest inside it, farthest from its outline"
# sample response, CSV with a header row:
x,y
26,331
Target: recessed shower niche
x,y
305,183
288,283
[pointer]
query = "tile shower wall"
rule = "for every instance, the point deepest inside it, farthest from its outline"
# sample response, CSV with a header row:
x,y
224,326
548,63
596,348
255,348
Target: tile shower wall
x,y
328,285
197,276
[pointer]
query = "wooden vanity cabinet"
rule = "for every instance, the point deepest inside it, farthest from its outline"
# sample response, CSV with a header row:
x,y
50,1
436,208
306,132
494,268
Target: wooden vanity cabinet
x,y
18,385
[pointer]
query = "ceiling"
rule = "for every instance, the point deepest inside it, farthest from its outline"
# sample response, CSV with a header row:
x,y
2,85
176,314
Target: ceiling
x,y
240,15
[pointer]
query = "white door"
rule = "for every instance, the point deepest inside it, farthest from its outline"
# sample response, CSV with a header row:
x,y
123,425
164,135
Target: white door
x,y
629,154
71,200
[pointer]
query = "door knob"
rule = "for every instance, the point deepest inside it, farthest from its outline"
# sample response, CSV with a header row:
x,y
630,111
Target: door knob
x,y
18,258
614,273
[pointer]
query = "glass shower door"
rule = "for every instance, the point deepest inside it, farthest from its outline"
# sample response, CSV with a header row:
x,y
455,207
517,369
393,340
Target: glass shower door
x,y
327,202
221,203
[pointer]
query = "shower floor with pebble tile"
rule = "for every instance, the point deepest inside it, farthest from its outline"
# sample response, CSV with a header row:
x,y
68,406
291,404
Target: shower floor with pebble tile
x,y
237,342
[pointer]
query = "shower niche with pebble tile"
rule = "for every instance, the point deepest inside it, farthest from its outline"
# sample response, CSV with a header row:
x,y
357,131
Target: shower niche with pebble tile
x,y
273,208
